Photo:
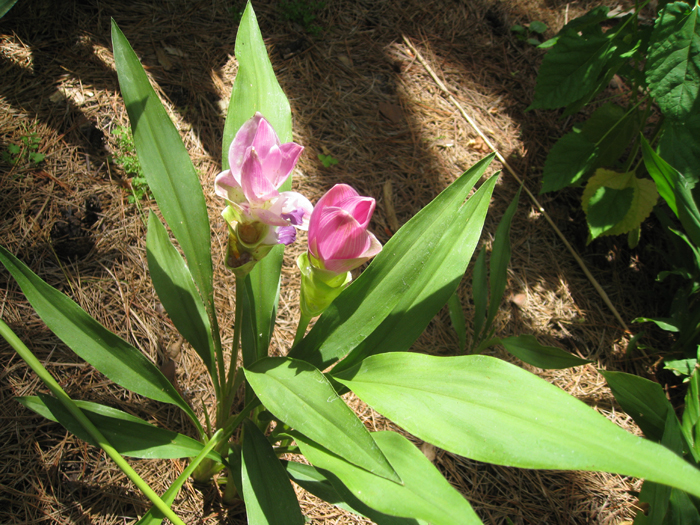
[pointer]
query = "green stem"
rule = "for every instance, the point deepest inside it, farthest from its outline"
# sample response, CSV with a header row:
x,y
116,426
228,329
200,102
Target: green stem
x,y
75,411
229,391
301,329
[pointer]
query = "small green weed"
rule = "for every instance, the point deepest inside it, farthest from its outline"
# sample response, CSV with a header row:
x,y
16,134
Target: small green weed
x,y
529,32
327,160
129,162
302,12
27,151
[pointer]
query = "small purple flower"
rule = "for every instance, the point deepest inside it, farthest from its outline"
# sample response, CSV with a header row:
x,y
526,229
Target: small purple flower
x,y
338,236
259,165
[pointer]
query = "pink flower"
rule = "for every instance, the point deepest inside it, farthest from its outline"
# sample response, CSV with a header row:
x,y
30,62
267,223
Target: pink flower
x,y
338,236
259,165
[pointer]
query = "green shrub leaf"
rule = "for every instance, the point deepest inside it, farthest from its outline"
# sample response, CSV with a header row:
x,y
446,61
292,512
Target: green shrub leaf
x,y
489,410
527,349
673,64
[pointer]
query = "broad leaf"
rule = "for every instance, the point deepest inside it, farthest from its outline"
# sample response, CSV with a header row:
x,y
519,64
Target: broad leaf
x,y
108,353
128,434
256,89
425,494
489,410
403,288
500,259
167,166
317,482
571,69
269,496
600,141
177,292
526,348
617,203
644,400
680,147
301,396
673,63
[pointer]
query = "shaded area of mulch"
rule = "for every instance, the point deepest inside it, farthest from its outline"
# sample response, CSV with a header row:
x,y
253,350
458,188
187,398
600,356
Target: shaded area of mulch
x,y
359,95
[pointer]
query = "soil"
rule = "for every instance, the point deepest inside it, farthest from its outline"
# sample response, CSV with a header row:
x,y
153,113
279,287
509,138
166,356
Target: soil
x,y
358,94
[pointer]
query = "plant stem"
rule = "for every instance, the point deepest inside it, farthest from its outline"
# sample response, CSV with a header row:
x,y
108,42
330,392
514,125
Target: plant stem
x,y
75,411
228,390
301,329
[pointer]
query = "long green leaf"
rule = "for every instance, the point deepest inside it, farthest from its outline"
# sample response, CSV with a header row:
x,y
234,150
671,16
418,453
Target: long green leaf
x,y
457,317
317,482
664,175
268,494
500,259
489,410
177,292
5,6
480,294
256,89
680,146
691,416
643,400
167,166
425,494
301,396
129,435
108,353
673,63
526,348
403,288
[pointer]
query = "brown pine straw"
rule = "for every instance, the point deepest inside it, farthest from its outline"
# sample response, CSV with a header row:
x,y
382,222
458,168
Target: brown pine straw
x,y
503,161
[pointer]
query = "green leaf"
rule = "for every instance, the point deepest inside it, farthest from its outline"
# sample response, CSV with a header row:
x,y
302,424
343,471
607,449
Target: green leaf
x,y
617,203
691,416
177,292
480,293
665,176
600,141
317,482
665,323
425,494
644,400
571,69
500,259
526,348
108,353
489,410
167,166
537,26
673,63
457,317
301,396
129,435
5,6
395,298
269,496
680,147
256,89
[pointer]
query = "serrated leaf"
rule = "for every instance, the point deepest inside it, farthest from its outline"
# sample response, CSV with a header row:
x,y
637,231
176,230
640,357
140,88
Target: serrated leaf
x,y
394,299
462,405
604,208
680,147
600,141
129,435
528,349
108,353
425,494
268,494
301,396
673,63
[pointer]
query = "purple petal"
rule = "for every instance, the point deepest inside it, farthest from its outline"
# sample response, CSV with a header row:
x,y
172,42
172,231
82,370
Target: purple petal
x,y
286,235
240,144
295,217
265,138
256,187
291,201
226,186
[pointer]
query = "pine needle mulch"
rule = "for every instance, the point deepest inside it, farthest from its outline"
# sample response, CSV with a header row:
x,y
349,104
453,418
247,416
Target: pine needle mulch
x,y
359,95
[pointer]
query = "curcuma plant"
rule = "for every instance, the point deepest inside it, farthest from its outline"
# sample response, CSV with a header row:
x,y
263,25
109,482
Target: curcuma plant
x,y
476,406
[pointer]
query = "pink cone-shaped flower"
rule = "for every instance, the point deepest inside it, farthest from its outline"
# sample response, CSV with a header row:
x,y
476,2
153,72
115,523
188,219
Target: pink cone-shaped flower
x,y
259,165
338,236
